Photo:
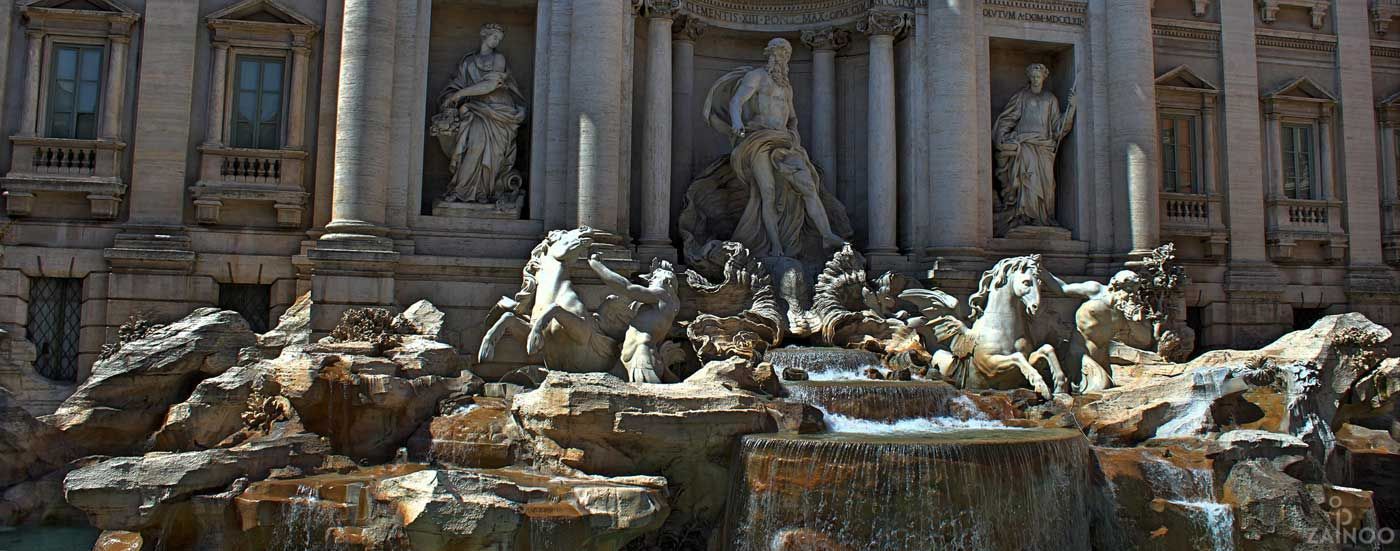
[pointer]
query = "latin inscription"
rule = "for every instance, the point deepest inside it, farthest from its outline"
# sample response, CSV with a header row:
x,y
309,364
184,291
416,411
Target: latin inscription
x,y
1033,17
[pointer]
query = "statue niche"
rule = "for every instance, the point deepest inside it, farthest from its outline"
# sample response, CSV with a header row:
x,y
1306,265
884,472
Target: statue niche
x,y
1027,137
480,114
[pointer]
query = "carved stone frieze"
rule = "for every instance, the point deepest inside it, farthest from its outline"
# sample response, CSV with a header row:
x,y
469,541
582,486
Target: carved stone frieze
x,y
829,38
881,22
687,28
776,15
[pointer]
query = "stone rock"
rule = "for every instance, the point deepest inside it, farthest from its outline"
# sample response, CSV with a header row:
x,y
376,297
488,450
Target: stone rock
x,y
293,328
125,399
1370,460
421,318
214,410
602,425
25,443
119,540
1276,511
134,493
365,405
39,501
418,356
741,373
481,434
1162,498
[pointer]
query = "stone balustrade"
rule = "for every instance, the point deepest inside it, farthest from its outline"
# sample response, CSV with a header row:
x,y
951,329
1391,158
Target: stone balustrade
x,y
55,165
1194,216
256,175
1311,220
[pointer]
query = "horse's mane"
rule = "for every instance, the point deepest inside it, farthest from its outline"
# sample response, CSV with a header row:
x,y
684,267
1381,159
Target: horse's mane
x,y
996,278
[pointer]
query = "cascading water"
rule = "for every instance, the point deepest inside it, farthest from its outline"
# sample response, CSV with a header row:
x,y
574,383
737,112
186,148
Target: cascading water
x,y
309,520
1193,491
910,465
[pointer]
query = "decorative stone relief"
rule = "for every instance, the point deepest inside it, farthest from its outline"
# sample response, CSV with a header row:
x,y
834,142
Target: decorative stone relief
x,y
829,38
850,314
891,23
480,114
739,315
766,194
1317,9
688,28
1027,138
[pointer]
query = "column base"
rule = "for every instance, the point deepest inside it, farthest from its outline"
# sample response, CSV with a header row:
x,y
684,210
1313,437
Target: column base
x,y
646,251
355,227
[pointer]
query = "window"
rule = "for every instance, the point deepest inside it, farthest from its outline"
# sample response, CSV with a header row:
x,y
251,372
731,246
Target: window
x,y
75,89
253,302
1179,154
1304,318
1298,161
55,305
257,103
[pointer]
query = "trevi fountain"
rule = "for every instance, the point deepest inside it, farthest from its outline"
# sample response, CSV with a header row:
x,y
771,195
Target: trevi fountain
x,y
773,383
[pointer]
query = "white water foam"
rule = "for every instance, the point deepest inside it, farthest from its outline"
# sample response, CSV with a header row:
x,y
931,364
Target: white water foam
x,y
857,374
911,426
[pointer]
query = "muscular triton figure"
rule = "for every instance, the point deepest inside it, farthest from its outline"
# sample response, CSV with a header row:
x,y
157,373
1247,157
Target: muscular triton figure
x,y
769,155
656,306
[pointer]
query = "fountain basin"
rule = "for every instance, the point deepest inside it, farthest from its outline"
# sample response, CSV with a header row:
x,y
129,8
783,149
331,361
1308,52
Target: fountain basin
x,y
958,489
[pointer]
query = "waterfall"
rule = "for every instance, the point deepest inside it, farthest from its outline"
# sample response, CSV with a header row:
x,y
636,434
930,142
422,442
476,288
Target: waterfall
x,y
885,400
825,364
968,489
1193,491
308,522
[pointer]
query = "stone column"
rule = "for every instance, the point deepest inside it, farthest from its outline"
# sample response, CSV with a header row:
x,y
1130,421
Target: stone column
x,y
954,146
32,73
362,122
1387,152
296,107
1273,134
1209,144
116,89
656,134
595,113
683,112
882,146
1132,117
326,117
218,88
822,138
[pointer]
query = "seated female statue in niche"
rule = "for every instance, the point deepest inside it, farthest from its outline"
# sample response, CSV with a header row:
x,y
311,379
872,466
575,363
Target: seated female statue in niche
x,y
482,109
1027,134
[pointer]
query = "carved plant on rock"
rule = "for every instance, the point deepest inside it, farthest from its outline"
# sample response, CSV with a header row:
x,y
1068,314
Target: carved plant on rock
x,y
372,325
135,328
738,315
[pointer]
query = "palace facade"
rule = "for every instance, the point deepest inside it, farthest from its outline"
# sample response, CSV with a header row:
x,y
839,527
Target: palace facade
x,y
167,155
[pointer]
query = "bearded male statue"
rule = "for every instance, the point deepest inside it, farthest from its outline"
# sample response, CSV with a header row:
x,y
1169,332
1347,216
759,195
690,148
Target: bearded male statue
x,y
766,194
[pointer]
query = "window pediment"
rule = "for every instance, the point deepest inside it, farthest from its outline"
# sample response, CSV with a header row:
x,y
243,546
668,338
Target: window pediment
x,y
1183,78
1301,89
83,17
262,21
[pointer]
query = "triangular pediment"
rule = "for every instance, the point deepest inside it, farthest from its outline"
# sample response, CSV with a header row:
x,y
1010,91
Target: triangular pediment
x,y
1183,77
1392,100
79,5
1301,88
263,11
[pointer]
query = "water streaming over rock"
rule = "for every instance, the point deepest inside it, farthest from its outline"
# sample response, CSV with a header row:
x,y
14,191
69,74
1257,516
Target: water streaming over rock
x,y
884,400
964,489
825,364
308,521
1192,491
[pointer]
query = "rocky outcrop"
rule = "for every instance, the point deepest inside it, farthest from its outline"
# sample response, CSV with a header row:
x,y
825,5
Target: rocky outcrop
x,y
602,425
134,493
420,318
125,399
24,443
1370,460
293,328
214,410
739,373
480,434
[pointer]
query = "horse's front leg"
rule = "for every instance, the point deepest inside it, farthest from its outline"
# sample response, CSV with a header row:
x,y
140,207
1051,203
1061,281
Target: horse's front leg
x,y
571,323
507,321
1018,360
1057,374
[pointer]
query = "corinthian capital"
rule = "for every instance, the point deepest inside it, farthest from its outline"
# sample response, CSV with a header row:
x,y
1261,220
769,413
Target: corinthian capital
x,y
688,28
830,38
878,22
667,9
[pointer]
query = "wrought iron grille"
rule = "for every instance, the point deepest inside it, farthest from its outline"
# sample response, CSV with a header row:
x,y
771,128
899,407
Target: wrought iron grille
x,y
55,306
254,302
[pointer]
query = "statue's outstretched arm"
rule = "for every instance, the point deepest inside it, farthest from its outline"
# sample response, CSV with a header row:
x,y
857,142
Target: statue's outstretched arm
x,y
1082,290
621,285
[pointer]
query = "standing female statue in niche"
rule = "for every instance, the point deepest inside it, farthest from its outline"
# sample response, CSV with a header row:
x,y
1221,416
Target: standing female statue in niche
x,y
482,109
1027,134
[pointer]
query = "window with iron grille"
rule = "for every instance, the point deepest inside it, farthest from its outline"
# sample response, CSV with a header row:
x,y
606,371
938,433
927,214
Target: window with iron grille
x,y
55,305
254,302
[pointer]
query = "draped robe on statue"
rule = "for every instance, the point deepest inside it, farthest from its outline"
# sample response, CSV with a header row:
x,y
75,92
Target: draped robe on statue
x,y
723,203
1027,172
480,136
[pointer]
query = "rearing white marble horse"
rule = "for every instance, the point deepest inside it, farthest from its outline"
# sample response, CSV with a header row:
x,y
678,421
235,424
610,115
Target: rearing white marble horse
x,y
997,350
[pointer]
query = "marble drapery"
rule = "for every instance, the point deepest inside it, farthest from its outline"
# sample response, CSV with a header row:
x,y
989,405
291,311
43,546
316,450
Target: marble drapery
x,y
478,131
1028,133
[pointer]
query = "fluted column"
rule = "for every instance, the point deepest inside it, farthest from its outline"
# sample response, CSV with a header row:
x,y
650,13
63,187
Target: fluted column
x,y
882,146
218,88
595,113
32,74
685,32
822,138
656,132
1132,118
362,120
116,88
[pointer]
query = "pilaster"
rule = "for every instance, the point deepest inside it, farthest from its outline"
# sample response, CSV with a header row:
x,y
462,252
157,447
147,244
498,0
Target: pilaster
x,y
1361,181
